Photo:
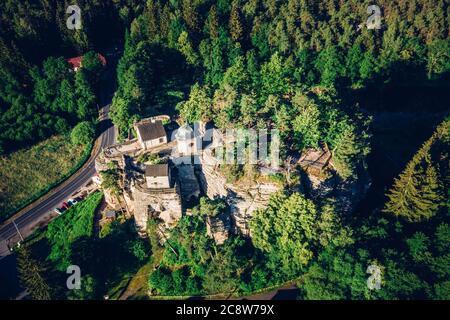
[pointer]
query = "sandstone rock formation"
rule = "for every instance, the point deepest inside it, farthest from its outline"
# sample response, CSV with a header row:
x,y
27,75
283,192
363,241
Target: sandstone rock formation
x,y
219,228
162,204
243,199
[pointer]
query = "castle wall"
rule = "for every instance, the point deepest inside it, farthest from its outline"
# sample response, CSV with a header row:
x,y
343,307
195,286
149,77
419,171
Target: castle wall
x,y
164,204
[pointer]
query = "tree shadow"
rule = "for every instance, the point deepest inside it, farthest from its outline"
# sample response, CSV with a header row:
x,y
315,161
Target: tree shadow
x,y
172,78
286,294
108,260
406,107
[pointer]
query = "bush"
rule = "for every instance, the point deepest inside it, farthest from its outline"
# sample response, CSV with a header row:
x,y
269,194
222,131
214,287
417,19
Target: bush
x,y
139,250
83,133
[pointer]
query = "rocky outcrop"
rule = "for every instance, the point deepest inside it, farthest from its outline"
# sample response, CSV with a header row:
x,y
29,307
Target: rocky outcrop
x,y
219,228
212,183
162,204
243,199
348,193
112,200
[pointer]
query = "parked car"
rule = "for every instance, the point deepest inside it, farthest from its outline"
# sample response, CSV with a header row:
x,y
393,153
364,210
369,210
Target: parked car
x,y
65,205
72,201
58,210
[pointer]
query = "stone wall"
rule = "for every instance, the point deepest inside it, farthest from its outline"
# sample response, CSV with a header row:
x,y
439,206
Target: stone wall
x,y
164,204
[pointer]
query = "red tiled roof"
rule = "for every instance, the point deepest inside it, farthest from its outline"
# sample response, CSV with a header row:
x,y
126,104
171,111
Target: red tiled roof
x,y
102,59
76,61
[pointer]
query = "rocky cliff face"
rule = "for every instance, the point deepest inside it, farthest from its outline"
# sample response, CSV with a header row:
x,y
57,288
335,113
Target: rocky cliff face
x,y
111,200
242,199
161,204
218,228
102,161
212,183
246,200
348,193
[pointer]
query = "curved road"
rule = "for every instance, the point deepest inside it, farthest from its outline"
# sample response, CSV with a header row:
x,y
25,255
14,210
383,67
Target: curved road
x,y
41,208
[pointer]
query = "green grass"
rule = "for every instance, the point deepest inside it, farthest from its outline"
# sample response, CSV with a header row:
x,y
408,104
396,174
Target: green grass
x,y
29,173
76,222
137,287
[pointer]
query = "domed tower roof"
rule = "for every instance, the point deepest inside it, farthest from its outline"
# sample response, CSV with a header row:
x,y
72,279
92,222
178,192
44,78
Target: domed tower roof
x,y
184,133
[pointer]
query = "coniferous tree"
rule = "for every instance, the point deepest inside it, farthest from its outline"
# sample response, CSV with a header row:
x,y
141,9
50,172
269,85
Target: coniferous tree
x,y
165,20
213,23
353,62
417,194
330,65
151,18
31,275
185,46
235,23
190,14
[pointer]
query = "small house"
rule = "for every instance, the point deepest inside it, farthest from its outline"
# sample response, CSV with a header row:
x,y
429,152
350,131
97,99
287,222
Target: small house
x,y
110,215
75,62
157,176
150,133
314,161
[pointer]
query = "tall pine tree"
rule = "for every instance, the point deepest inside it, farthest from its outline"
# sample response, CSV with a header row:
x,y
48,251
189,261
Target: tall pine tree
x,y
31,276
418,193
236,29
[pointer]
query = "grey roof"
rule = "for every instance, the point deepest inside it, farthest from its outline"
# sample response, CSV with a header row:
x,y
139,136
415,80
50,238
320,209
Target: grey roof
x,y
110,214
157,170
151,130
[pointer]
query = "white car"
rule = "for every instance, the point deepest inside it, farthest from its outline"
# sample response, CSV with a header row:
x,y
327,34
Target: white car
x,y
72,201
58,211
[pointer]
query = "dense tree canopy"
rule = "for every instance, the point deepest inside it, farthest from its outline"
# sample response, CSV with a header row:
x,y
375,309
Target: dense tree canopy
x,y
57,98
83,133
261,64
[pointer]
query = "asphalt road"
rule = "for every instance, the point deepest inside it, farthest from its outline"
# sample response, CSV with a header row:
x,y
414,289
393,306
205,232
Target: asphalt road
x,y
8,232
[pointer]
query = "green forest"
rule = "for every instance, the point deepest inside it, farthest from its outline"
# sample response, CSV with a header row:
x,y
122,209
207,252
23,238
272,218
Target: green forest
x,y
40,94
327,253
311,69
297,66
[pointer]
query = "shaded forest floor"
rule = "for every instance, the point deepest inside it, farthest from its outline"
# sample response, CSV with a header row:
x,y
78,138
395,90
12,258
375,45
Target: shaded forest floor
x,y
402,122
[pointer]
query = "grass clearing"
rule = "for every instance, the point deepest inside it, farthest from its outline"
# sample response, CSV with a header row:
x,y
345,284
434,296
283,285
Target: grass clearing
x,y
76,222
137,287
28,173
